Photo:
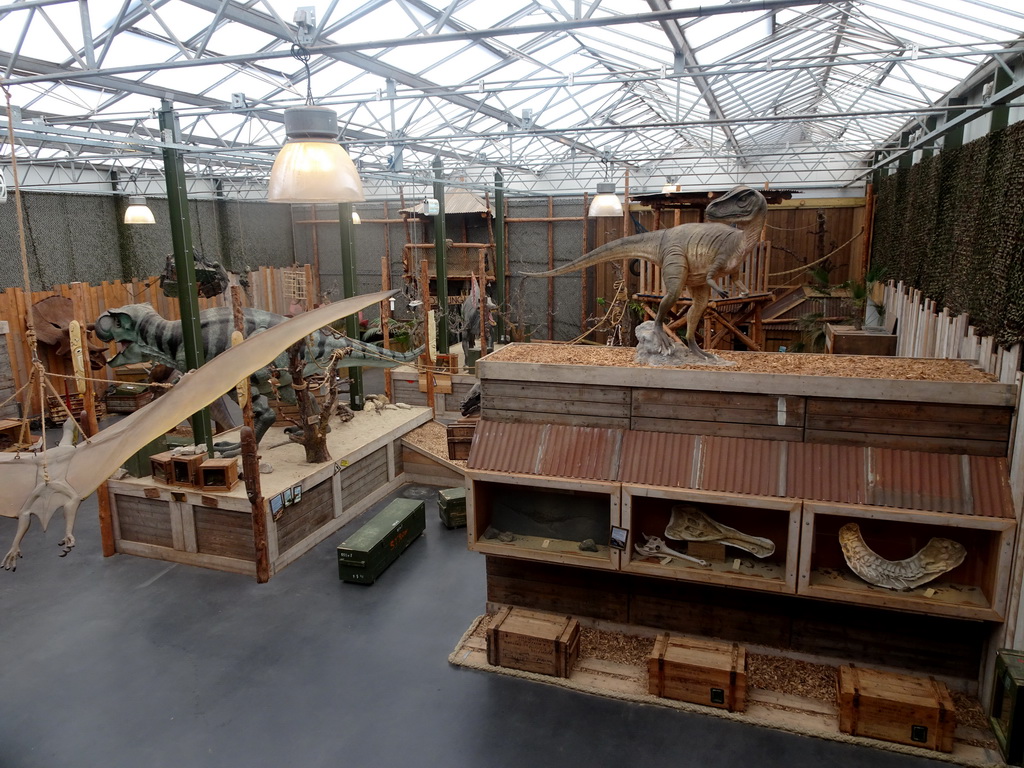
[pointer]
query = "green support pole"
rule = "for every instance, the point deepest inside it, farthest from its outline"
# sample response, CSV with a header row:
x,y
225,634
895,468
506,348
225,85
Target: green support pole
x,y
348,290
184,262
499,254
440,237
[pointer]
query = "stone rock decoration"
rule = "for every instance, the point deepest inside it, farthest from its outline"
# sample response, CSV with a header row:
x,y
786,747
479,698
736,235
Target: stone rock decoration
x,y
937,557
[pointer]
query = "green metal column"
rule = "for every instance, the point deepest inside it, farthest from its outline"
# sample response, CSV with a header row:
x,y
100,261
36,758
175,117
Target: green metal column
x,y
499,254
440,237
348,289
184,261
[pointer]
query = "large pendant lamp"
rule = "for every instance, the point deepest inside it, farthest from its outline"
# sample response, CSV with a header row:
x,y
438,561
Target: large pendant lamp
x,y
605,203
137,211
312,167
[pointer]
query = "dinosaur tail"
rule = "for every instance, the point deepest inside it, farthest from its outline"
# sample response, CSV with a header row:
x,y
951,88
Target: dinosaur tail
x,y
363,355
646,245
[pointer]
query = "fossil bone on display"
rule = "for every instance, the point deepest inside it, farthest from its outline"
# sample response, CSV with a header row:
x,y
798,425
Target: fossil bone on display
x,y
688,523
937,557
655,547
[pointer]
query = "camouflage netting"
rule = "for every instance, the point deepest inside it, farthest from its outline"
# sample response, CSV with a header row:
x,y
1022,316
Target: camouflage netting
x,y
72,237
953,227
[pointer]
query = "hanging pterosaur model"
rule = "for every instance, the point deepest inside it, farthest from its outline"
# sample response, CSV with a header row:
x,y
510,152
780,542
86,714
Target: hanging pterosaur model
x,y
38,483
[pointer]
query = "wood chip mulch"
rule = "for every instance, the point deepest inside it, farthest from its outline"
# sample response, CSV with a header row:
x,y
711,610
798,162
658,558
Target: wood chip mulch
x,y
847,366
432,437
614,646
800,678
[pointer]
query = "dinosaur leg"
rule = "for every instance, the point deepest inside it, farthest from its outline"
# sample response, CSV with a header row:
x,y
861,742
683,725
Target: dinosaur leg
x,y
699,295
70,511
10,562
665,342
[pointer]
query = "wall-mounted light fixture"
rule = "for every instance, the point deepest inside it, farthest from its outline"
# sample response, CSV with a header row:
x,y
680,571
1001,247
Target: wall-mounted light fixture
x,y
605,203
355,218
312,167
138,212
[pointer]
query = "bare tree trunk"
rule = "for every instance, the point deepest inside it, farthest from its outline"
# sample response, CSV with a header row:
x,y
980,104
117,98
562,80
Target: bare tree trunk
x,y
312,419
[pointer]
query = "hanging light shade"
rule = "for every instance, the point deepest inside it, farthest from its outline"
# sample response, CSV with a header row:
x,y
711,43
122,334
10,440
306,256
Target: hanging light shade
x,y
312,167
605,203
138,212
355,218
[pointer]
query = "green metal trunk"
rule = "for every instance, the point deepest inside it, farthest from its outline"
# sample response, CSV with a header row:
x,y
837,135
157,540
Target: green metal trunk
x,y
364,555
451,507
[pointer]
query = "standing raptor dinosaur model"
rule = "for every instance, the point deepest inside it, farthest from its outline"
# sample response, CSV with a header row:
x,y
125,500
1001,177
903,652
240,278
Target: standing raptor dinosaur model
x,y
144,336
691,256
37,483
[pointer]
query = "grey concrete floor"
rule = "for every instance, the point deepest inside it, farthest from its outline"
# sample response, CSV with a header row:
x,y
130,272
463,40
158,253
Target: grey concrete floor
x,y
125,661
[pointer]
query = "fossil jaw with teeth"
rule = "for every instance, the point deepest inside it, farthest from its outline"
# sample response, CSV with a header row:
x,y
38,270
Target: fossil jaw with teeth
x,y
937,557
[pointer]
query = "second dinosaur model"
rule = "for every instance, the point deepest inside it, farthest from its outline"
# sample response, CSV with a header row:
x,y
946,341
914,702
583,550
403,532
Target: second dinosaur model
x,y
145,336
691,256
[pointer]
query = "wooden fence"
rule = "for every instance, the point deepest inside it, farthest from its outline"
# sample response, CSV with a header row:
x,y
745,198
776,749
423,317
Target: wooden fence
x,y
266,290
924,330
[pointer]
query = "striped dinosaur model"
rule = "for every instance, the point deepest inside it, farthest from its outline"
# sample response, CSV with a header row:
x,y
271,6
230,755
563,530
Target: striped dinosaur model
x,y
144,336
691,256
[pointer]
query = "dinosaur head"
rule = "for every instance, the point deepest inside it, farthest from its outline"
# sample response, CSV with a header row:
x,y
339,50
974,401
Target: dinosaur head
x,y
737,206
123,325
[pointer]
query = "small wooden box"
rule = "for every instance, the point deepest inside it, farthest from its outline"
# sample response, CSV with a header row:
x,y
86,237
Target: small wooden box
x,y
699,671
184,469
533,641
900,708
451,507
160,467
218,474
460,437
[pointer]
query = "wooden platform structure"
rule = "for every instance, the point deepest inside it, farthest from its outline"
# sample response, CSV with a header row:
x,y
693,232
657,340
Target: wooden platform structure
x,y
303,503
786,457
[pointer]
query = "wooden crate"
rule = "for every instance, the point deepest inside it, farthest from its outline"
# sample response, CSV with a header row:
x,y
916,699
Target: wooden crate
x,y
533,641
184,470
364,555
127,398
699,671
900,708
460,437
160,467
218,474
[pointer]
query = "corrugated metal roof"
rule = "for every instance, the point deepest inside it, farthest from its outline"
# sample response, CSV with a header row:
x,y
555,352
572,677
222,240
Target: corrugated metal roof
x,y
841,474
456,201
657,458
825,472
738,465
588,453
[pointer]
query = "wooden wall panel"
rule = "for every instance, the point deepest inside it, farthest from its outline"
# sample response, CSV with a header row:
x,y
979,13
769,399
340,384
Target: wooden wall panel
x,y
314,509
363,477
147,521
220,532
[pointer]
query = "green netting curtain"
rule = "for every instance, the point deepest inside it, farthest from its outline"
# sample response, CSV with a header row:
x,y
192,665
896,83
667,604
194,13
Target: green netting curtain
x,y
953,226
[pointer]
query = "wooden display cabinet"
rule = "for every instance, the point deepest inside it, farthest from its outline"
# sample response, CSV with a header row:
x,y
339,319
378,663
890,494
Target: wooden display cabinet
x,y
976,589
547,516
647,510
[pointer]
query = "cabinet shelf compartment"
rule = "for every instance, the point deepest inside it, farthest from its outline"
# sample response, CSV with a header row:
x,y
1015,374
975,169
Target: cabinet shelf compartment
x,y
975,589
647,510
548,517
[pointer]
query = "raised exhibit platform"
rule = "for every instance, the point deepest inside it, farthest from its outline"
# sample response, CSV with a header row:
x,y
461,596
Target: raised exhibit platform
x,y
785,447
303,503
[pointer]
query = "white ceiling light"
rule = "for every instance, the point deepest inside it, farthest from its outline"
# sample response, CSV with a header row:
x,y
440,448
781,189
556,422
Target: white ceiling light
x,y
138,212
606,203
312,167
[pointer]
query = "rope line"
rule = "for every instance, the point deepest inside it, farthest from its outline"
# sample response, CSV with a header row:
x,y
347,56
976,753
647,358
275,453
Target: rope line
x,y
817,261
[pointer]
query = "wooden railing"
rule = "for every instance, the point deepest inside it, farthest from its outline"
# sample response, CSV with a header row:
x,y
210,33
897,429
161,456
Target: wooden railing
x,y
266,291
